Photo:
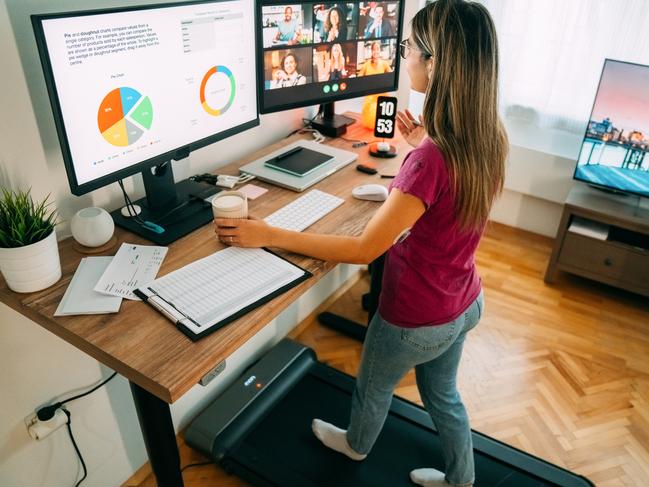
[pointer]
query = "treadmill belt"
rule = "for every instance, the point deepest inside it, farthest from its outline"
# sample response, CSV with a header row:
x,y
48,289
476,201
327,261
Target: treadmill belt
x,y
282,450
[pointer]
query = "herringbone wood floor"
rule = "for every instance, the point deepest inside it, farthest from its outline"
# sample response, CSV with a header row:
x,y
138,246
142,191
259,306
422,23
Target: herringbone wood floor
x,y
559,371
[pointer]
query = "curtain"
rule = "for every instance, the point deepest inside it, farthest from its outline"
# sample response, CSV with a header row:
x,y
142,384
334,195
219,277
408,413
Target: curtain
x,y
552,53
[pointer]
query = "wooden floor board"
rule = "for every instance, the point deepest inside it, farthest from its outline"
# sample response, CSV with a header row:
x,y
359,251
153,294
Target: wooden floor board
x,y
560,371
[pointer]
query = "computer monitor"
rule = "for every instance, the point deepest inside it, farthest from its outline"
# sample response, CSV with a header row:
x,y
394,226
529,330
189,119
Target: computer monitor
x,y
133,88
614,150
317,53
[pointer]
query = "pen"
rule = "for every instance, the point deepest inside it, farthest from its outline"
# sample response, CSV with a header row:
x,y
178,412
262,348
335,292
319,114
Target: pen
x,y
387,176
289,153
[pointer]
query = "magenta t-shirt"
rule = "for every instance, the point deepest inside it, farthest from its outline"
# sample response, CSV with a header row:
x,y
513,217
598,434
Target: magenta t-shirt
x,y
430,277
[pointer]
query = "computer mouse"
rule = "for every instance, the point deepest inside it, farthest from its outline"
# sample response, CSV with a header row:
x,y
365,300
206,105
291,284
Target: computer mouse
x,y
371,192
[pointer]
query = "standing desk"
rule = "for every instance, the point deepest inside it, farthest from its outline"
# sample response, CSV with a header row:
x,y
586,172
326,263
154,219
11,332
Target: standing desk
x,y
161,363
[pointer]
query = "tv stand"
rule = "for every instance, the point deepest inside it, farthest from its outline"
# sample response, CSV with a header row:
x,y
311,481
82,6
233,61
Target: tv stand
x,y
605,238
176,207
330,124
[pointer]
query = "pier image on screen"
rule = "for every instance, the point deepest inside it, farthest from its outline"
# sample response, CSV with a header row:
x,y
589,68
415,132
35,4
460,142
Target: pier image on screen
x,y
614,150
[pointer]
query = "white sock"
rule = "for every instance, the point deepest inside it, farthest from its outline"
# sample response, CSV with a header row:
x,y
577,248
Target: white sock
x,y
334,438
428,477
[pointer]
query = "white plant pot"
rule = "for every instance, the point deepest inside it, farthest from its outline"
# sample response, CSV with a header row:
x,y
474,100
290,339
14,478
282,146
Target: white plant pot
x,y
32,267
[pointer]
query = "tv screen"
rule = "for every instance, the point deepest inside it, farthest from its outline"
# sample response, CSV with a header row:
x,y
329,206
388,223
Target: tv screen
x,y
614,150
315,53
134,86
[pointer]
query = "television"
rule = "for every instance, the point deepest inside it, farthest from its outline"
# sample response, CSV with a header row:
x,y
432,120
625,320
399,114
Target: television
x,y
133,88
318,53
613,153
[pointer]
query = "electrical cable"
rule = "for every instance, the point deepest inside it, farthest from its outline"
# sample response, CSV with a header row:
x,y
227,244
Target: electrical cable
x,y
155,223
196,465
112,376
46,413
76,448
306,123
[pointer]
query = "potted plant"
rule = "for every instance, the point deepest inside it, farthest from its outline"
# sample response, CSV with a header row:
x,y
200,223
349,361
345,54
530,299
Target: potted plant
x,y
29,253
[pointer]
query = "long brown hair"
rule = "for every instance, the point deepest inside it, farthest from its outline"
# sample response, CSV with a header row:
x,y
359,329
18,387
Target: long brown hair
x,y
461,104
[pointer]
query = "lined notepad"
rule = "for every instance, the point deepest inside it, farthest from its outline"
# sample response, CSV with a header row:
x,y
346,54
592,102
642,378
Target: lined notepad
x,y
208,293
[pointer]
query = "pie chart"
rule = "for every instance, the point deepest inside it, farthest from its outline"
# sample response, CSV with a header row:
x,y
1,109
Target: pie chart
x,y
217,90
124,115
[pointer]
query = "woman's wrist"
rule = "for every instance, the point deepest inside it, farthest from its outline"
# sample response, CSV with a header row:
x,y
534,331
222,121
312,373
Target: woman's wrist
x,y
274,237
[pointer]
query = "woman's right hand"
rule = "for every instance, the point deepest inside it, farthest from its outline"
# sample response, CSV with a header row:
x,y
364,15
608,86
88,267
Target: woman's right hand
x,y
411,129
279,75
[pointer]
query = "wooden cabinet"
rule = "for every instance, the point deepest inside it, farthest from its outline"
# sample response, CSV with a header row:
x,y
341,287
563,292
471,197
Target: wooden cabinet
x,y
605,238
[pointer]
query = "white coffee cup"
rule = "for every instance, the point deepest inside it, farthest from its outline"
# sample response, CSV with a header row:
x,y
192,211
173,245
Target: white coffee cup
x,y
230,204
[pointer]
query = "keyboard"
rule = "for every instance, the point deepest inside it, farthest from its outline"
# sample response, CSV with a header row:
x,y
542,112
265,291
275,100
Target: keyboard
x,y
304,211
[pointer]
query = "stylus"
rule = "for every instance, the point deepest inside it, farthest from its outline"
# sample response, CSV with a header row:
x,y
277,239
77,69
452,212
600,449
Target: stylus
x,y
289,153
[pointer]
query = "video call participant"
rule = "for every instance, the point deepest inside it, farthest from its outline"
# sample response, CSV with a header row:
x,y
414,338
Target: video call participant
x,y
337,67
335,26
287,29
432,294
379,26
287,75
331,64
375,65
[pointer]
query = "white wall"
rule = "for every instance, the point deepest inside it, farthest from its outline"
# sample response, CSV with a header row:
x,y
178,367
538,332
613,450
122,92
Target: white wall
x,y
37,366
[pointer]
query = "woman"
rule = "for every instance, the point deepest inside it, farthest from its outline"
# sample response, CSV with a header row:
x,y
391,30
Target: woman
x,y
375,65
431,294
337,69
335,28
288,75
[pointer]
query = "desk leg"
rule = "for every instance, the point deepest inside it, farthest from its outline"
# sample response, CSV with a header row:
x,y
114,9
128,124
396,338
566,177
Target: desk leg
x,y
349,327
159,436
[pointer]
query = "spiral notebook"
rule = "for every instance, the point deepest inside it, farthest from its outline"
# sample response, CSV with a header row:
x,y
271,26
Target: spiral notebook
x,y
207,294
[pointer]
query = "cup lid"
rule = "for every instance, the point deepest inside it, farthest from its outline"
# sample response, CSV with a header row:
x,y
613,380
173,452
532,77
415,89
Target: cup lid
x,y
227,202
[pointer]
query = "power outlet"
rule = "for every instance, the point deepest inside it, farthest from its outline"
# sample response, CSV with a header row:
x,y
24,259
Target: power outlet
x,y
31,420
38,429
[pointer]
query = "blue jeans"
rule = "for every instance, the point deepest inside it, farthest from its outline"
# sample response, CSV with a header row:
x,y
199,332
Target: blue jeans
x,y
434,351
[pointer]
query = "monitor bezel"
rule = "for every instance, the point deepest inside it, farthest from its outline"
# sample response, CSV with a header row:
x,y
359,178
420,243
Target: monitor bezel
x,y
590,116
174,154
333,98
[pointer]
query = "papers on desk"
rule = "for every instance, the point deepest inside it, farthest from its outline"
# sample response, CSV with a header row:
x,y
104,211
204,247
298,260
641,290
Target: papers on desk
x,y
133,266
100,283
209,293
80,298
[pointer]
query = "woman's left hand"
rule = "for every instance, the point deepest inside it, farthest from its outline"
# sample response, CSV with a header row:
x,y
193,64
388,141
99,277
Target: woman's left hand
x,y
243,233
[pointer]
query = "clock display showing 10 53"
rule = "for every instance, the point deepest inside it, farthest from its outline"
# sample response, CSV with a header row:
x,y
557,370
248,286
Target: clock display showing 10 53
x,y
386,114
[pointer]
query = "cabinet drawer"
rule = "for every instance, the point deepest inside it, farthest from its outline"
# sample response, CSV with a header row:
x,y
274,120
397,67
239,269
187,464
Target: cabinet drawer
x,y
603,258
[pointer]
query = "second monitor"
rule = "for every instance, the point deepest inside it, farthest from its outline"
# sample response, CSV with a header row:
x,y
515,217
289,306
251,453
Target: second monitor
x,y
322,52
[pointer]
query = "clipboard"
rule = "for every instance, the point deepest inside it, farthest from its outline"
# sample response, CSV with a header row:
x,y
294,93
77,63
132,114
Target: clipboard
x,y
187,281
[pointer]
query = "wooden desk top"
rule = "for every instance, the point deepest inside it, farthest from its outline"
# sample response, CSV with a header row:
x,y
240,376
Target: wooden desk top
x,y
141,344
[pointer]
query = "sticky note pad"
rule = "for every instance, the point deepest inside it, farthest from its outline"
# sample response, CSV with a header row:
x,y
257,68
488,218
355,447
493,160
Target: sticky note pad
x,y
252,191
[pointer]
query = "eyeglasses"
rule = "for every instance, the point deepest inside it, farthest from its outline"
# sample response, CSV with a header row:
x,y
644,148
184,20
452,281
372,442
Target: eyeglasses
x,y
404,46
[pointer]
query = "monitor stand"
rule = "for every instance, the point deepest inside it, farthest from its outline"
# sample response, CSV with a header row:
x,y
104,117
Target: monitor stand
x,y
178,208
330,124
608,190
